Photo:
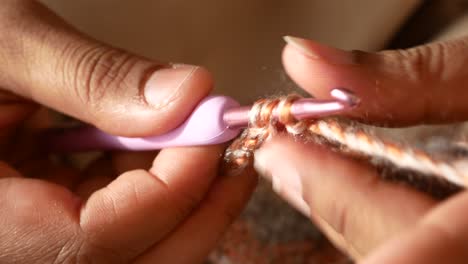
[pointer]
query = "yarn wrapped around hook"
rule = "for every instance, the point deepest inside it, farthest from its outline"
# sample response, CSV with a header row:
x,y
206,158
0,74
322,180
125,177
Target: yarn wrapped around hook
x,y
344,136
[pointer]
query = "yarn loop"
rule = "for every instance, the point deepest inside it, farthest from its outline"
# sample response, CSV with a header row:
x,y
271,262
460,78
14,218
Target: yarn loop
x,y
269,117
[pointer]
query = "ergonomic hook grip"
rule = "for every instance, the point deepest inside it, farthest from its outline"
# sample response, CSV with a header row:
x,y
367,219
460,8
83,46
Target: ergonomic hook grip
x,y
205,126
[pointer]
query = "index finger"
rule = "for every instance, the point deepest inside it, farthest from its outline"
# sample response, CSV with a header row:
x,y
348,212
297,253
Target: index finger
x,y
397,88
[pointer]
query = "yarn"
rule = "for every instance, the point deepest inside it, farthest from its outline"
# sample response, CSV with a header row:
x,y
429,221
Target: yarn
x,y
344,136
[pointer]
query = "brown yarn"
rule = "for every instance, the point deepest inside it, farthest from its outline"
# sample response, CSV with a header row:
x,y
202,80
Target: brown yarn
x,y
343,135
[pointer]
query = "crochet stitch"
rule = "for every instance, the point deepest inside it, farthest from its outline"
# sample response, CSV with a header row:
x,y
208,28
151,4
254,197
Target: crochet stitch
x,y
346,137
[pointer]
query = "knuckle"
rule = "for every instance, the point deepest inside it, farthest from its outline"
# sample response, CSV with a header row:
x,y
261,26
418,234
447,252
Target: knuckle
x,y
433,65
410,62
430,63
450,60
97,72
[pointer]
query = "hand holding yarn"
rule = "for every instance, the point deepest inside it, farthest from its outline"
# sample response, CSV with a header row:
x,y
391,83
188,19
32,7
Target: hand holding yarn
x,y
372,220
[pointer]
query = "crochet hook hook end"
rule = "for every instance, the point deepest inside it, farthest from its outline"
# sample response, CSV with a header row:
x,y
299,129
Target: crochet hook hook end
x,y
342,100
345,96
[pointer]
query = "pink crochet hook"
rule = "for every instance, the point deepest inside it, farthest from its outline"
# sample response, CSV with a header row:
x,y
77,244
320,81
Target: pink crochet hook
x,y
217,119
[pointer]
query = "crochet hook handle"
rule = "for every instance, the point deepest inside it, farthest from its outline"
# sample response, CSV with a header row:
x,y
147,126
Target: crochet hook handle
x,y
217,119
204,127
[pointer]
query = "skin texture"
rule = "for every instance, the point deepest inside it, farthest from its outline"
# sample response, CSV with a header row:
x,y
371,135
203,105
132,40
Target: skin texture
x,y
372,220
116,212
126,207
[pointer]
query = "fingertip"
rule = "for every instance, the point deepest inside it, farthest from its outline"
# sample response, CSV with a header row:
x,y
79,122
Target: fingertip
x,y
318,77
177,82
318,68
306,72
197,236
357,72
193,87
144,206
197,85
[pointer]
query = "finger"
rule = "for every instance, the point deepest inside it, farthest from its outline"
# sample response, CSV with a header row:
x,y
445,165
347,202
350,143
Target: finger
x,y
197,236
139,208
347,199
46,60
442,236
401,87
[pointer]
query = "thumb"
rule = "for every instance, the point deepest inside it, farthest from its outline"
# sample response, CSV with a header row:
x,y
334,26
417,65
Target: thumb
x,y
400,87
46,60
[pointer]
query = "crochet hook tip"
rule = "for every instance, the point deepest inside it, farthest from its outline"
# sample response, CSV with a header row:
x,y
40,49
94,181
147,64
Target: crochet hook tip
x,y
345,96
342,100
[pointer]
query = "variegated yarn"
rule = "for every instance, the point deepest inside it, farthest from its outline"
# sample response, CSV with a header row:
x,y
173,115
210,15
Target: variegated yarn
x,y
347,137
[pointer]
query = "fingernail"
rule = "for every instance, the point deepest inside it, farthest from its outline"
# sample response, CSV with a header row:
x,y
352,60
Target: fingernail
x,y
285,178
165,83
318,51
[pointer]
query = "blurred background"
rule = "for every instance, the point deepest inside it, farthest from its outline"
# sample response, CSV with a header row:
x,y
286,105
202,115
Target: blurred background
x,y
240,42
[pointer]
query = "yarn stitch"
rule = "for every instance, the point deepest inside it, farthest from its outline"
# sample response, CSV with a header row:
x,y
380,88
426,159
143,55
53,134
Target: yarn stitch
x,y
343,135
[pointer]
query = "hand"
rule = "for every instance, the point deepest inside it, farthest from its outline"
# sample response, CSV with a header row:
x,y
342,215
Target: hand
x,y
172,213
373,220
